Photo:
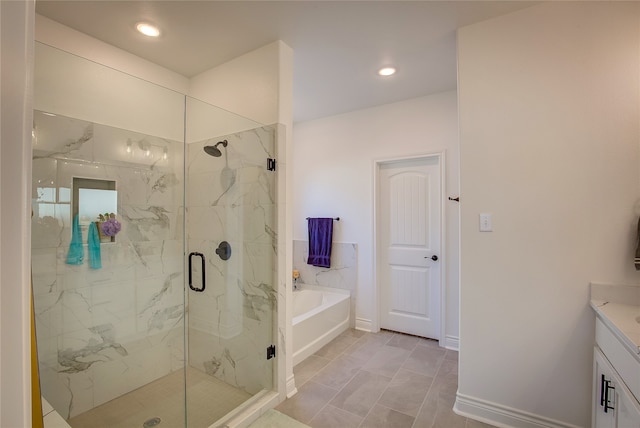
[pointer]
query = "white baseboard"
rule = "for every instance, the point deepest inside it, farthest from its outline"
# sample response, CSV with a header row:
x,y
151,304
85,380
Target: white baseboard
x,y
452,342
502,416
364,325
291,387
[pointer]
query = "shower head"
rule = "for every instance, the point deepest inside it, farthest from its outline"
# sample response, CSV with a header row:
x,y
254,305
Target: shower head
x,y
213,150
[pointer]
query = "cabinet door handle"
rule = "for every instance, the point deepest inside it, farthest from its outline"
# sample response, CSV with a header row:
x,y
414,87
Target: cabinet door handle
x,y
607,387
602,390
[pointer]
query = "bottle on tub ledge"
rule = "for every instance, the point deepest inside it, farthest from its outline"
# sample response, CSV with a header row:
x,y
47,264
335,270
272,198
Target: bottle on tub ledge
x,y
296,276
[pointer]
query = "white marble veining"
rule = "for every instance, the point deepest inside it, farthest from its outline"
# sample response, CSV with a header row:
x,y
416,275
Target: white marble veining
x,y
93,326
618,306
342,273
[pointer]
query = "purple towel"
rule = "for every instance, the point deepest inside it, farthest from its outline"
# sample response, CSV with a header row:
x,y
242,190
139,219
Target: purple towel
x,y
320,236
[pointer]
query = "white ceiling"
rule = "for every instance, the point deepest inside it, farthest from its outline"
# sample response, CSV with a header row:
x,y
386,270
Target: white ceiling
x,y
338,45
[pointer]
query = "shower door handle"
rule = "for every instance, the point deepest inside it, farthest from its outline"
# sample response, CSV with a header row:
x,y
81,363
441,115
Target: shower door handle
x,y
191,272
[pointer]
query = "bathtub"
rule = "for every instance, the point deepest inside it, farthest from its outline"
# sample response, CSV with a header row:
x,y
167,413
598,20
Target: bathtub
x,y
320,314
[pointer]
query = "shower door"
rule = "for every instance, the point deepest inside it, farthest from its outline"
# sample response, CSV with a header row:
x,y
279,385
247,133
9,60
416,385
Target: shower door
x,y
231,241
109,306
123,340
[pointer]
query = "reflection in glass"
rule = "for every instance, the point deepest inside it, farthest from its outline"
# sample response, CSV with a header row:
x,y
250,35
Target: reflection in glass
x,y
93,202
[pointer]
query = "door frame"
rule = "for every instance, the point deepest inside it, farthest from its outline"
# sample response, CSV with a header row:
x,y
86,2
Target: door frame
x,y
377,163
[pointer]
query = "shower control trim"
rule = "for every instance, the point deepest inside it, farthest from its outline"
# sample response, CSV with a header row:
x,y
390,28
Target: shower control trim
x,y
191,255
224,250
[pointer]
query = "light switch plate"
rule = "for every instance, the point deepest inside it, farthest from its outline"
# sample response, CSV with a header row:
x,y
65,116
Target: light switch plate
x,y
485,222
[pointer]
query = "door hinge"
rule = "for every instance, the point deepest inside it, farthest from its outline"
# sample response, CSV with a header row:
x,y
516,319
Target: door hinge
x,y
271,351
271,164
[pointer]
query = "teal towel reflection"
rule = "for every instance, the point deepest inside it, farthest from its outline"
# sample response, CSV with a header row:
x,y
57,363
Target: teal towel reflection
x,y
76,252
93,242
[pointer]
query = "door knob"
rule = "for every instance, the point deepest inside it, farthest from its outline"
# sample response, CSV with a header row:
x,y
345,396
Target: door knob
x,y
434,257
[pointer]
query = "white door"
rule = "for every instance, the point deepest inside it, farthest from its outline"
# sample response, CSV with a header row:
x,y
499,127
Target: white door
x,y
408,247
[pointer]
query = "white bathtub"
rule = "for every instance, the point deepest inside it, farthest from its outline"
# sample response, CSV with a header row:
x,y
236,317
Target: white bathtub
x,y
320,314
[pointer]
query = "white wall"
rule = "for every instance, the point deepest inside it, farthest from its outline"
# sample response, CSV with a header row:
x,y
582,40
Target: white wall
x,y
333,161
256,86
548,104
16,60
104,95
247,85
129,93
65,38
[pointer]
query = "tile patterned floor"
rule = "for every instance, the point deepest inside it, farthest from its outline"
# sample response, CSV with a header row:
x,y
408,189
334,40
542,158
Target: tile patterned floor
x,y
209,400
386,379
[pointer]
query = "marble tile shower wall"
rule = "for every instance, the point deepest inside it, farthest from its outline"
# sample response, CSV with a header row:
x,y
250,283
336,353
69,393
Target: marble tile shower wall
x,y
104,332
342,274
233,198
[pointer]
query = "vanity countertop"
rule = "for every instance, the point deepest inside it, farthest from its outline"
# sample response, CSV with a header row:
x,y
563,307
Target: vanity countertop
x,y
619,309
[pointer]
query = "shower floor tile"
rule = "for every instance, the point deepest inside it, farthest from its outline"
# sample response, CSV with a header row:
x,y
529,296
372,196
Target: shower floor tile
x,y
210,399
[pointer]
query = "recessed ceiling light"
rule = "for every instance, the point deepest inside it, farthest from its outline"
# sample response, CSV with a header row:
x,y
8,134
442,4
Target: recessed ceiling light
x,y
386,71
148,29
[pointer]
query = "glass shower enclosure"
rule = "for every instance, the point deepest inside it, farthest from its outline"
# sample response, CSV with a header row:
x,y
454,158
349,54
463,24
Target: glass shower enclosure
x,y
153,250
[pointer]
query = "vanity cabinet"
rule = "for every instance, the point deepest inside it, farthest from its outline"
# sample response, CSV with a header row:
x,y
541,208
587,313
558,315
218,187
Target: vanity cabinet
x,y
628,411
616,382
613,404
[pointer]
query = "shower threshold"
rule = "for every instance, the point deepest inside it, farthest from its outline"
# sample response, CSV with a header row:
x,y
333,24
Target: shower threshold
x,y
162,401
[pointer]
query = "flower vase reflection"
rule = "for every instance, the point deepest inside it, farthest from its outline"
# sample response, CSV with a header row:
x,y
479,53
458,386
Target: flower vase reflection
x,y
108,227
